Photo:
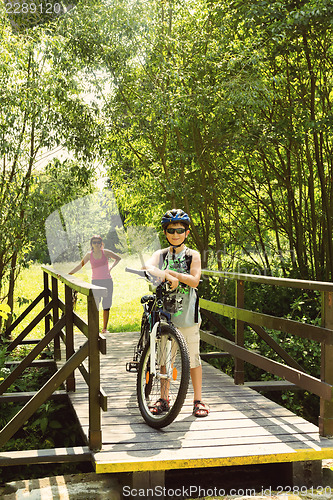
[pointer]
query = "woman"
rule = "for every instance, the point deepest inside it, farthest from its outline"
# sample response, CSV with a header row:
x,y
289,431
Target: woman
x,y
101,276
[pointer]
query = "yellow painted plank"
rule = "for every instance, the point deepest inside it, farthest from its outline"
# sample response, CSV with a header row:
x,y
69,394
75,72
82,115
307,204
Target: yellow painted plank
x,y
139,464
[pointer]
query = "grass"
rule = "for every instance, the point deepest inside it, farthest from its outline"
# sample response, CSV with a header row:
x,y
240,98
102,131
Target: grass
x,y
126,310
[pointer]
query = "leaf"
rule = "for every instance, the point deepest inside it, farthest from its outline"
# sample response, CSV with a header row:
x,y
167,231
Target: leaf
x,y
43,423
55,424
4,310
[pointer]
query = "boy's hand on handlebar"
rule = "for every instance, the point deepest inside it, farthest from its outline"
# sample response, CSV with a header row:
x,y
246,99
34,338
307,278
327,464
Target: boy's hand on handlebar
x,y
174,282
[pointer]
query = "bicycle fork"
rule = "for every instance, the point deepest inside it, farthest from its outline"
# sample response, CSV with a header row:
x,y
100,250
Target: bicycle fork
x,y
153,350
167,362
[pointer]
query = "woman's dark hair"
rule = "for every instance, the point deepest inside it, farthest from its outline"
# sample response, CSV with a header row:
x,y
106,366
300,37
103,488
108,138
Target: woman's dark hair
x,y
95,237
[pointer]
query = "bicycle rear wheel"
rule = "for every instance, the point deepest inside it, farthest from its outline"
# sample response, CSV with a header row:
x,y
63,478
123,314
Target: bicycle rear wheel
x,y
171,378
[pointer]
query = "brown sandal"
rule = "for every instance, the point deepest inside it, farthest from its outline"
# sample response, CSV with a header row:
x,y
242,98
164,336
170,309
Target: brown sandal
x,y
200,409
161,406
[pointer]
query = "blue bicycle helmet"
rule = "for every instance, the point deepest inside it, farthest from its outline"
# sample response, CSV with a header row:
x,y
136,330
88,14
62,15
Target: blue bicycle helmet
x,y
175,215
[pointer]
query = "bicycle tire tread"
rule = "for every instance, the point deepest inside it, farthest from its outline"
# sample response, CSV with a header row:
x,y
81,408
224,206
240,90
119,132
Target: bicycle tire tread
x,y
160,422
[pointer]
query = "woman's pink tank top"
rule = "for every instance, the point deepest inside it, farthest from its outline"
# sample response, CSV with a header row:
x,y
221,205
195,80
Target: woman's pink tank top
x,y
100,267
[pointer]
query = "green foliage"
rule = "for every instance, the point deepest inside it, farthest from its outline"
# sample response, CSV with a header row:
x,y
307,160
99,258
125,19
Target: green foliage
x,y
4,311
302,403
27,382
60,183
52,426
42,108
48,428
223,109
4,372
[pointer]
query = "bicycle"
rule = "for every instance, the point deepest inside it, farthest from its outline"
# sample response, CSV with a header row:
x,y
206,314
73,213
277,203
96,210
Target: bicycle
x,y
160,359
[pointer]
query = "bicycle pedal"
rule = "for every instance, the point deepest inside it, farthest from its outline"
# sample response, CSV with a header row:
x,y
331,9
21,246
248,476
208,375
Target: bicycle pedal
x,y
132,366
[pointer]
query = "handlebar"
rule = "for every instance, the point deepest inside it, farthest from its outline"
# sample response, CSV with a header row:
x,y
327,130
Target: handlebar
x,y
152,279
139,272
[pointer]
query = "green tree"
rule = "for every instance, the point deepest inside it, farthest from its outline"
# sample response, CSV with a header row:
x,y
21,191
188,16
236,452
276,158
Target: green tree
x,y
287,146
59,183
223,109
41,107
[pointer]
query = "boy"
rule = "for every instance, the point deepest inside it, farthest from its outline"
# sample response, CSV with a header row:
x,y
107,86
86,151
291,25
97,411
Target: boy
x,y
182,268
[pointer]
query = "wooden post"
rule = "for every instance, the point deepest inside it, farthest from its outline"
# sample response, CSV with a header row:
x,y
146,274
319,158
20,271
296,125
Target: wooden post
x,y
239,334
70,381
46,300
95,432
55,312
326,407
307,474
150,480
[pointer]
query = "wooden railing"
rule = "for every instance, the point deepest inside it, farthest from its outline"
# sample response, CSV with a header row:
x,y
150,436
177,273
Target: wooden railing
x,y
290,371
62,316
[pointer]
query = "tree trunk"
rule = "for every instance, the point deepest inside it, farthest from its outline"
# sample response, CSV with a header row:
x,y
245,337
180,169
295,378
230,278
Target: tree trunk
x,y
11,287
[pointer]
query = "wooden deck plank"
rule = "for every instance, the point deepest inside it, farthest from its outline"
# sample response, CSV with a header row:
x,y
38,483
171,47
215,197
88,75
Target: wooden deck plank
x,y
243,427
185,442
257,432
44,456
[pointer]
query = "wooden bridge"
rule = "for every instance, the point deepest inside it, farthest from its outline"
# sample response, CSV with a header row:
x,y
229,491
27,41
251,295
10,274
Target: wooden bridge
x,y
243,427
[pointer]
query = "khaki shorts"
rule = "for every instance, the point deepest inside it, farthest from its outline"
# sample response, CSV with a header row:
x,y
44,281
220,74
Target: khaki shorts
x,y
192,337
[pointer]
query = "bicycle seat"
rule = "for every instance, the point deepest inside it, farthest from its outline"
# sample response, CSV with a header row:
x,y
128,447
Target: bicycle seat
x,y
147,298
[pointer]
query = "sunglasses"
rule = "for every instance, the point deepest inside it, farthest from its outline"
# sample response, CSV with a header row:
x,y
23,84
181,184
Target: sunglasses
x,y
96,242
178,230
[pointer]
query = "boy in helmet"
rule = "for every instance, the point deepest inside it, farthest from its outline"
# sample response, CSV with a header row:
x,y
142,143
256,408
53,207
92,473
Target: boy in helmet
x,y
181,266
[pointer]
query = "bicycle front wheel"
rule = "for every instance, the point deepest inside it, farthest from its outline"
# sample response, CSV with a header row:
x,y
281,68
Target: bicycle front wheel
x,y
168,380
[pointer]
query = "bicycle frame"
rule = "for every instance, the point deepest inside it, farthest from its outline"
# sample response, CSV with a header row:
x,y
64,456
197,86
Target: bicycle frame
x,y
156,314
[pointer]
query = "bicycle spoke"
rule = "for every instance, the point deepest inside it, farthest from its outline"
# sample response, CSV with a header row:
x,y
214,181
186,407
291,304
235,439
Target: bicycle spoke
x,y
168,382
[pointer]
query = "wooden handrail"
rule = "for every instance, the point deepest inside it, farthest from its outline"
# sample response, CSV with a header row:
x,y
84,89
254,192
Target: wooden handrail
x,y
75,283
321,286
94,345
300,379
42,395
304,330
